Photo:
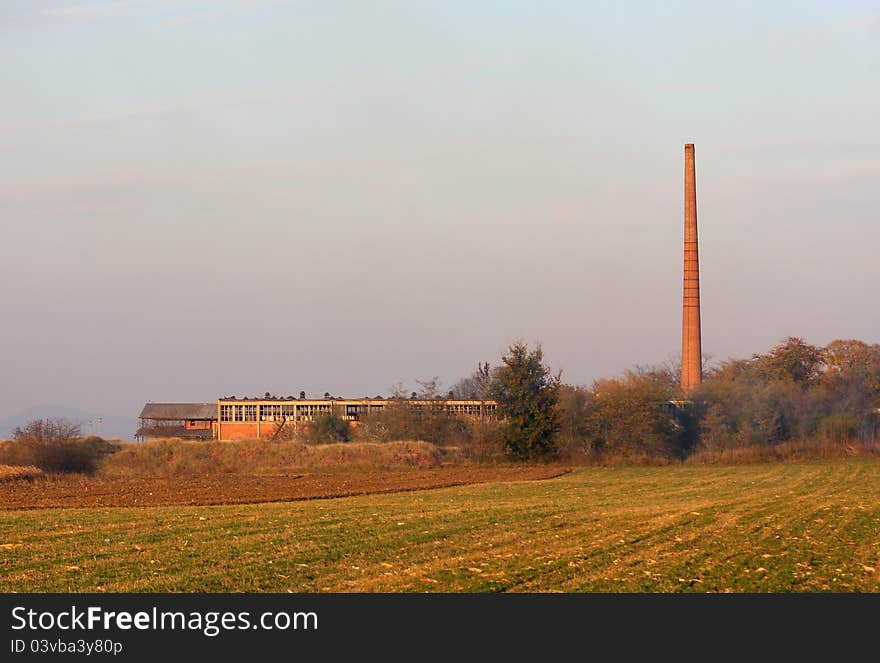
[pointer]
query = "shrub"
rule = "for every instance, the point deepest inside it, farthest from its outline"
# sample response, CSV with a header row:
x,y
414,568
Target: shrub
x,y
484,443
399,420
624,418
54,445
327,428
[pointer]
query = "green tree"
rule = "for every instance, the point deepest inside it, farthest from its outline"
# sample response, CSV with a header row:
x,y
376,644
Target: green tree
x,y
527,393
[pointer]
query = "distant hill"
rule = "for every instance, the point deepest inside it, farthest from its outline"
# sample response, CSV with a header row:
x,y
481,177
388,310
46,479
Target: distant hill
x,y
110,426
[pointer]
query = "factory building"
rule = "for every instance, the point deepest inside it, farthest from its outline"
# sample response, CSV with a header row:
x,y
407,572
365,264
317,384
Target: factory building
x,y
268,418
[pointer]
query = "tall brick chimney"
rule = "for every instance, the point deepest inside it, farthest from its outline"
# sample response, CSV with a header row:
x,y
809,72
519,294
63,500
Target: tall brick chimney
x,y
691,346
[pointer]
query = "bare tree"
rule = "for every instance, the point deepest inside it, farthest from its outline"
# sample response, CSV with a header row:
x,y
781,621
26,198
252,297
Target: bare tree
x,y
476,386
429,389
57,430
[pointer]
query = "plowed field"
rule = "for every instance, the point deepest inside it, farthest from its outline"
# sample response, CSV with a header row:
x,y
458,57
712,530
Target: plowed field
x,y
78,491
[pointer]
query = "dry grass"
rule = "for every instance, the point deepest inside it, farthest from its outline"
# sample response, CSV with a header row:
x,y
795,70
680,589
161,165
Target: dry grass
x,y
19,473
380,455
786,451
182,458
595,459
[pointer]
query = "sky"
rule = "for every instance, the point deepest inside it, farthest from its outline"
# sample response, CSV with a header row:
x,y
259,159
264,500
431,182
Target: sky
x,y
203,198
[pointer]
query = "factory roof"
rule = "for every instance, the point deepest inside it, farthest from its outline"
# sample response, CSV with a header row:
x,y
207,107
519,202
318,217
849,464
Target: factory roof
x,y
179,411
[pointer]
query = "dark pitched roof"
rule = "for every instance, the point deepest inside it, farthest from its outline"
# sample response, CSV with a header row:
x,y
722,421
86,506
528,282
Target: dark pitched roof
x,y
179,411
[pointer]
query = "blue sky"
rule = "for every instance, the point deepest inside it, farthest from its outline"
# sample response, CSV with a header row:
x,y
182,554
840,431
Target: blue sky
x,y
211,198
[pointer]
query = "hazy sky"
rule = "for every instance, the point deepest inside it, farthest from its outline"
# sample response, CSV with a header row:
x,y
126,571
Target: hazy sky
x,y
202,198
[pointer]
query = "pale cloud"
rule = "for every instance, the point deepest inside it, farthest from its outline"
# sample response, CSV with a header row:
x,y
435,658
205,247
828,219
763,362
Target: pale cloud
x,y
219,10
850,170
795,34
12,133
815,144
92,11
855,24
138,177
172,13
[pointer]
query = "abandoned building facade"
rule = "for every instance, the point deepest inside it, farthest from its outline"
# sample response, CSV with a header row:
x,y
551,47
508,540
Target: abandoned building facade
x,y
268,418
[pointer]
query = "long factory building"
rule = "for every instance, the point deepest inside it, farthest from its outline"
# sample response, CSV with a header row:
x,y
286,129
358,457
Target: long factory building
x,y
267,418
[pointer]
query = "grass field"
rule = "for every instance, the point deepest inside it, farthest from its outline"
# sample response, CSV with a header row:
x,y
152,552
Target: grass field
x,y
772,527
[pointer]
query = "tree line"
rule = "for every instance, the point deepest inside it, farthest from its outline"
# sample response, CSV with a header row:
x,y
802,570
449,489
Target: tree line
x,y
794,392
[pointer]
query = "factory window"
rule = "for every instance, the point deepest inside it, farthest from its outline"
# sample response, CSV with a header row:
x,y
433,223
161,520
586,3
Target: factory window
x,y
287,411
226,413
250,413
270,412
238,410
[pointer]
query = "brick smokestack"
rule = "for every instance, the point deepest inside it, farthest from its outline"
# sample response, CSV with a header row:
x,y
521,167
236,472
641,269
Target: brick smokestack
x,y
691,346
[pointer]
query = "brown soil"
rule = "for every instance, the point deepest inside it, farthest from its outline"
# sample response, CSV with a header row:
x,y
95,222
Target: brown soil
x,y
70,491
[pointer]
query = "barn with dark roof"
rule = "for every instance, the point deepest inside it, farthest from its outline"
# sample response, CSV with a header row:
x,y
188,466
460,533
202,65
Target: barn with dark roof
x,y
186,420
